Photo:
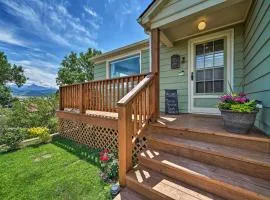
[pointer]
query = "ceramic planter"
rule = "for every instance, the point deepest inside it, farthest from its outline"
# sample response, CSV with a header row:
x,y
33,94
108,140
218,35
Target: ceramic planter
x,y
237,122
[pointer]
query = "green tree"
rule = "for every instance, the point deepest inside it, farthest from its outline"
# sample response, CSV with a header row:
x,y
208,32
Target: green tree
x,y
77,68
9,74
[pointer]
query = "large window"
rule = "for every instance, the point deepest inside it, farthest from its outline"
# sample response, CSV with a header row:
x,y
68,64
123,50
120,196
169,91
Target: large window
x,y
209,67
125,67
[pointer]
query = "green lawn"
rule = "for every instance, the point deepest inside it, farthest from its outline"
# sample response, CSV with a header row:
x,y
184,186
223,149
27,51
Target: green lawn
x,y
59,170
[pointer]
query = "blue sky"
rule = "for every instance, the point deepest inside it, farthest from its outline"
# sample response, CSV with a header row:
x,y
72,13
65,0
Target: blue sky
x,y
37,34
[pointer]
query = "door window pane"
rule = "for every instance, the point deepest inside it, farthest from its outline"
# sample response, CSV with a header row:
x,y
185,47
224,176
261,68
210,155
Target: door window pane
x,y
209,60
208,48
209,67
218,86
199,62
219,45
208,86
125,67
219,59
200,87
200,75
200,49
209,74
219,73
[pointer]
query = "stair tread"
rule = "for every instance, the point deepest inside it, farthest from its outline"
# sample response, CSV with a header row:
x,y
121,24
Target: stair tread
x,y
257,185
166,186
233,152
128,194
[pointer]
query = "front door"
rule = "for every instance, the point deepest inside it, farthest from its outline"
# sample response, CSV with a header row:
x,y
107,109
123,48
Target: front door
x,y
210,72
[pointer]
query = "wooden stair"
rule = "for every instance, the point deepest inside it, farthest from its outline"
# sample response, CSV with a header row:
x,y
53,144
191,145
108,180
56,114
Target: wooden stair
x,y
179,165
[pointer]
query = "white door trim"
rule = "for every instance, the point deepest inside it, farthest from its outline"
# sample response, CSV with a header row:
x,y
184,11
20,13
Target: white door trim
x,y
229,34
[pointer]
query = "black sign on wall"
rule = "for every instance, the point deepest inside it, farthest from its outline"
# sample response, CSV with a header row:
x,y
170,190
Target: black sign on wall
x,y
171,102
175,61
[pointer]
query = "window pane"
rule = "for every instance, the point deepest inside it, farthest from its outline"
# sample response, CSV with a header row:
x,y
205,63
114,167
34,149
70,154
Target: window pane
x,y
209,74
200,87
199,62
219,45
218,86
219,59
208,47
199,49
125,67
208,86
200,75
209,60
219,73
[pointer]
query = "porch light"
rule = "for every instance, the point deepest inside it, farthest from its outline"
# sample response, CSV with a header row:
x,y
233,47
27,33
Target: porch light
x,y
201,26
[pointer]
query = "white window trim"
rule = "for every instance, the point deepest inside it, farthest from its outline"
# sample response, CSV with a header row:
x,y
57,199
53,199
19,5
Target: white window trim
x,y
229,34
123,56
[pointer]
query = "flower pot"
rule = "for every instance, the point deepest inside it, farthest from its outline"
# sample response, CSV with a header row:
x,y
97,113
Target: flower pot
x,y
237,122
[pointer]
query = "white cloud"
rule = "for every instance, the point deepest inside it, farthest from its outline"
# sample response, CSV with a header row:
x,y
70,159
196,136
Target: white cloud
x,y
39,72
9,38
90,11
52,20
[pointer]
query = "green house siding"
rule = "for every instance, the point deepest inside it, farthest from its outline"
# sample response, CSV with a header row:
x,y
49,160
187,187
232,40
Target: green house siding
x,y
100,71
256,71
238,57
170,78
145,61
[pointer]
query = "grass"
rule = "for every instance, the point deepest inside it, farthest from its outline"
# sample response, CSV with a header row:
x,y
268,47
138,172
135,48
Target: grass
x,y
61,169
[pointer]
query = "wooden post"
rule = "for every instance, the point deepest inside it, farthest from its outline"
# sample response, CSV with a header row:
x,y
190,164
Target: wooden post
x,y
81,99
125,142
61,106
155,56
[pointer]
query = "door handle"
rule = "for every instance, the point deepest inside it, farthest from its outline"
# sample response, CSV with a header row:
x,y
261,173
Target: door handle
x,y
192,76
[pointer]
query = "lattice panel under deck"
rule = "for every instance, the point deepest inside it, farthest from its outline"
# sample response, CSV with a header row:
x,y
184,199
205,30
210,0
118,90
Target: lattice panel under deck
x,y
140,144
97,137
91,135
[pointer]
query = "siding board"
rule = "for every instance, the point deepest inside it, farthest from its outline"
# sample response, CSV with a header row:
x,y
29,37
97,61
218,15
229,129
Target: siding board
x,y
257,60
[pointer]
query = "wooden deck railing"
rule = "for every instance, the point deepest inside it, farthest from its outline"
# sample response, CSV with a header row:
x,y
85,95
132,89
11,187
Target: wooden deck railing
x,y
134,111
100,95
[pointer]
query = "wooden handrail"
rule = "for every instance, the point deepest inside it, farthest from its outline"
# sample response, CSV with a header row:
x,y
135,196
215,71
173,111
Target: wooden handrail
x,y
129,97
101,95
108,79
134,112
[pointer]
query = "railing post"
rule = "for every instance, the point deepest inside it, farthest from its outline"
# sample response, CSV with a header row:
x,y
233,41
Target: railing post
x,y
125,142
81,99
61,105
155,56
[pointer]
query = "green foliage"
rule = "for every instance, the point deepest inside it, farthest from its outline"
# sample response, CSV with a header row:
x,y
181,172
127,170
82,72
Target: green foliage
x,y
34,112
237,103
245,107
9,74
58,170
77,68
109,165
12,137
31,112
41,132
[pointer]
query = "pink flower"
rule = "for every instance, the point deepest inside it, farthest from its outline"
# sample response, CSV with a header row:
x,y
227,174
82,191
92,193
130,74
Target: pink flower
x,y
240,99
242,94
104,158
226,97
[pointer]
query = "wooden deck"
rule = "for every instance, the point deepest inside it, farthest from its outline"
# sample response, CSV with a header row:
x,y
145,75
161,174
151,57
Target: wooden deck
x,y
186,122
200,123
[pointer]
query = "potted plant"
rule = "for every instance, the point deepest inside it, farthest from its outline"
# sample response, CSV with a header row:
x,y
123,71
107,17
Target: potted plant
x,y
238,112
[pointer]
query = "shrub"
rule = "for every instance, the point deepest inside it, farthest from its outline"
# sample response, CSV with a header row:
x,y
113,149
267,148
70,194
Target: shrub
x,y
109,165
12,137
237,103
41,132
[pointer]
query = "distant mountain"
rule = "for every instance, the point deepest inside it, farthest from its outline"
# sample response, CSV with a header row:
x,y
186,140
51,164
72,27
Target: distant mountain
x,y
32,90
